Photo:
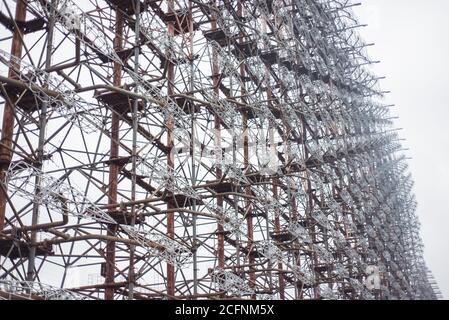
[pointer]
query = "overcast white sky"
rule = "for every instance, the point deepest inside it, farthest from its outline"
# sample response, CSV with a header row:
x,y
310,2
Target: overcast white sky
x,y
412,42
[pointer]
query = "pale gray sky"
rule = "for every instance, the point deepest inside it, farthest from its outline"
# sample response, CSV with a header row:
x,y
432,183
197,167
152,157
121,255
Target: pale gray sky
x,y
412,42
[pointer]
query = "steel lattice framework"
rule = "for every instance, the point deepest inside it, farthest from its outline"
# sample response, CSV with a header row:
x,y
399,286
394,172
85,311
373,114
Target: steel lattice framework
x,y
196,150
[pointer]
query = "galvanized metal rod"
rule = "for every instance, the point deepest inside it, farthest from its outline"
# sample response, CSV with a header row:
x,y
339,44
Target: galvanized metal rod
x,y
192,155
40,152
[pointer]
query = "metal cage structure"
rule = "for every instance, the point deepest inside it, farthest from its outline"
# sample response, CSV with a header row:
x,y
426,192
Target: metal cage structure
x,y
199,149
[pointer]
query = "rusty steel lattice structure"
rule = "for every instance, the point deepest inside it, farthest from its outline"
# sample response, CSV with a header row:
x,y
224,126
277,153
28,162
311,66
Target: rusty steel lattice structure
x,y
199,150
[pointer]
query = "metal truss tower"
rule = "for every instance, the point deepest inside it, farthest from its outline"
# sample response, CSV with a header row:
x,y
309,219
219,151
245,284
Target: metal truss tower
x,y
199,150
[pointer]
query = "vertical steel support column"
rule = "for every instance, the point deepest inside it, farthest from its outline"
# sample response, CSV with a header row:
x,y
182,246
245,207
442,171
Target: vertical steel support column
x,y
291,196
40,148
113,167
248,205
170,156
8,112
135,110
217,143
277,228
275,181
310,203
192,154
